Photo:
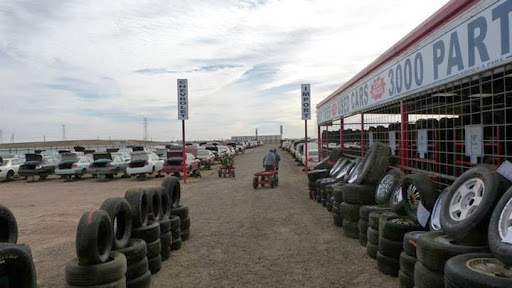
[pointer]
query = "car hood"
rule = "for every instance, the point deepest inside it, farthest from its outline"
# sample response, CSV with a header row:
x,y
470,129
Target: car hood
x,y
33,158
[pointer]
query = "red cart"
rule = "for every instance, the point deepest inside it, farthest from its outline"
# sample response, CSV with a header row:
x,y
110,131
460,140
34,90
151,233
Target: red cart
x,y
265,177
226,171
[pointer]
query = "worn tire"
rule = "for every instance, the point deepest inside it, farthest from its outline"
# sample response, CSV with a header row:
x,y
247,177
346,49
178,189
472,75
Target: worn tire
x,y
502,212
475,225
416,189
373,218
364,211
175,222
405,281
349,212
359,194
23,247
426,278
390,248
407,264
337,192
372,250
435,248
138,199
19,266
317,174
373,236
143,281
137,269
387,265
165,203
94,237
337,220
155,204
149,233
181,211
350,229
96,274
185,234
173,188
363,230
166,241
336,207
120,213
176,243
155,264
8,226
457,274
411,242
375,162
165,225
396,227
135,251
154,248
328,206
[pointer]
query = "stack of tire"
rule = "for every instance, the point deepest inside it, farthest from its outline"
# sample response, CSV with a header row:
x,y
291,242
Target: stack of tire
x,y
333,201
179,214
372,234
96,264
16,266
322,171
408,259
364,224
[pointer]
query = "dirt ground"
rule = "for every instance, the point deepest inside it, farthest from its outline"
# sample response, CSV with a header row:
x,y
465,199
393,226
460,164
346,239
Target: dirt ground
x,y
240,237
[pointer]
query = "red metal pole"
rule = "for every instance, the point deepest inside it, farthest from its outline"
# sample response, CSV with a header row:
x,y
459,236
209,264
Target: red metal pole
x,y
404,127
320,154
362,134
341,135
183,159
306,145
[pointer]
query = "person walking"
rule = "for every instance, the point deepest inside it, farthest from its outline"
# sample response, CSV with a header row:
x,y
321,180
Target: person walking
x,y
278,158
269,161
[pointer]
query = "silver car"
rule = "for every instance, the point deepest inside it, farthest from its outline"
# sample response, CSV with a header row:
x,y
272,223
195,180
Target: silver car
x,y
73,165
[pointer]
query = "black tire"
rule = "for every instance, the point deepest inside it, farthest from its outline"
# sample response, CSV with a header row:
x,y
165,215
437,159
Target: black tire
x,y
121,283
135,251
349,212
119,211
364,211
395,228
96,274
181,211
176,243
387,185
390,248
337,192
155,264
166,241
328,206
94,237
155,204
363,230
165,203
375,162
426,278
359,194
149,233
475,225
501,250
350,229
137,269
317,174
338,221
458,274
373,236
139,202
175,222
407,264
8,226
411,242
435,248
336,207
23,247
185,234
154,248
383,218
165,225
19,267
324,202
143,281
372,250
173,188
416,189
405,281
387,265
373,218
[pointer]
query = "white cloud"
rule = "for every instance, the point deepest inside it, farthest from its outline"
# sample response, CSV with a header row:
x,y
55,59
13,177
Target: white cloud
x,y
100,67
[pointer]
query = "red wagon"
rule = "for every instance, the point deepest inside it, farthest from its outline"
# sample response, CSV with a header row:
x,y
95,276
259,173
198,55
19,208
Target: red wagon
x,y
265,177
226,171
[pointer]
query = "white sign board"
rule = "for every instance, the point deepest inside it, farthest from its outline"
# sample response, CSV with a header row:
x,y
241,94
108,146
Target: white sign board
x,y
422,142
476,40
182,99
370,138
306,101
392,141
474,142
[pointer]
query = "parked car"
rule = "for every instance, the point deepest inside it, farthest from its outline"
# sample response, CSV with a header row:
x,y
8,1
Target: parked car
x,y
240,148
222,150
174,165
206,157
107,165
38,165
9,167
143,163
73,165
312,159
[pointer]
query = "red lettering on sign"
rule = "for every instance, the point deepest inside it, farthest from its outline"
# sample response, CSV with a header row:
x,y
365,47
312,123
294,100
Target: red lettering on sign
x,y
377,88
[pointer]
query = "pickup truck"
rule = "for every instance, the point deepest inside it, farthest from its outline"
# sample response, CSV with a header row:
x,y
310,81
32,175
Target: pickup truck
x,y
174,165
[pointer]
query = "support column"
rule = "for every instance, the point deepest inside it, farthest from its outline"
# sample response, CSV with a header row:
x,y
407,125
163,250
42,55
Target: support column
x,y
362,134
404,135
320,155
341,135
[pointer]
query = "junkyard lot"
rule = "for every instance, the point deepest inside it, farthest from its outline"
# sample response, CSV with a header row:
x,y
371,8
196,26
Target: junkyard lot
x,y
240,237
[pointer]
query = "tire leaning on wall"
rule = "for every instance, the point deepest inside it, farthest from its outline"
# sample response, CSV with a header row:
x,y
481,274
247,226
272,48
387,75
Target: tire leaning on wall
x,y
375,164
499,229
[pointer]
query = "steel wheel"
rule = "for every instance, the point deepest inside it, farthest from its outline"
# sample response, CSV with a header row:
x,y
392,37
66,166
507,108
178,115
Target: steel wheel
x,y
397,196
505,222
489,266
466,199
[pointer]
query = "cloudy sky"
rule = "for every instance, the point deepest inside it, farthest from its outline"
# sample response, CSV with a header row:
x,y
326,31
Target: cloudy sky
x,y
100,67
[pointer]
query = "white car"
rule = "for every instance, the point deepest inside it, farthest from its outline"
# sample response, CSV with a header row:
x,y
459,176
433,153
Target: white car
x,y
9,167
312,159
143,163
73,165
223,150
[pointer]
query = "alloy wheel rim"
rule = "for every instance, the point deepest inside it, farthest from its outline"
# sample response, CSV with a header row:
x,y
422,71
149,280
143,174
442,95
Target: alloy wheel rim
x,y
466,199
505,221
384,185
489,266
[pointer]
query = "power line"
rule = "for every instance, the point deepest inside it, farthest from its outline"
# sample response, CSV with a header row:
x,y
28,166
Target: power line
x,y
145,123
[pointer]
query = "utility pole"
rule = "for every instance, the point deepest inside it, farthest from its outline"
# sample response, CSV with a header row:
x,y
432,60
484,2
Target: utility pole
x,y
145,123
12,138
63,132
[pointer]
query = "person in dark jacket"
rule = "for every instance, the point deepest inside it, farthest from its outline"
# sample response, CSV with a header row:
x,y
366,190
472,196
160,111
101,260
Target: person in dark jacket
x,y
278,158
269,161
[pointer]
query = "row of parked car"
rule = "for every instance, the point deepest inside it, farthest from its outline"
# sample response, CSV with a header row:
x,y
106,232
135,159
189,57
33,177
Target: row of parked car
x,y
128,162
296,148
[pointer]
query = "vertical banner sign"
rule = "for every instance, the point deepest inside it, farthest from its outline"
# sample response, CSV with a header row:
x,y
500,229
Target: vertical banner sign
x,y
392,141
183,115
182,99
474,142
422,143
305,99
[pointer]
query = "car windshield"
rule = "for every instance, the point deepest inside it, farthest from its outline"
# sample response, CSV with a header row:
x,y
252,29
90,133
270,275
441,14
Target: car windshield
x,y
202,153
313,153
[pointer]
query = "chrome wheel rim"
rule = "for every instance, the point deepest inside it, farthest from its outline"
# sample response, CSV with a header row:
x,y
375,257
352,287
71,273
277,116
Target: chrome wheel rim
x,y
397,195
489,266
344,171
466,199
384,185
413,198
353,173
505,221
435,220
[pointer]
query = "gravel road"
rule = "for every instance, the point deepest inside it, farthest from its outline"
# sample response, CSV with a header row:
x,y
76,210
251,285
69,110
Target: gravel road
x,y
240,237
